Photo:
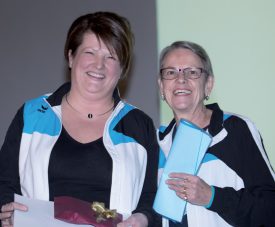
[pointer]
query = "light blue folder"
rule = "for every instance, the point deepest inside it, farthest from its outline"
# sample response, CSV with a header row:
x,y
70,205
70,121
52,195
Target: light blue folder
x,y
187,151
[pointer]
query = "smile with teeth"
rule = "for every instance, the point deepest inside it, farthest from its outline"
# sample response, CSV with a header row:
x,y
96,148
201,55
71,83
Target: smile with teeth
x,y
182,92
95,75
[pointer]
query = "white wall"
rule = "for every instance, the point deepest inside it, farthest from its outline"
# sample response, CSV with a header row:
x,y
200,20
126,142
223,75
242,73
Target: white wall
x,y
239,37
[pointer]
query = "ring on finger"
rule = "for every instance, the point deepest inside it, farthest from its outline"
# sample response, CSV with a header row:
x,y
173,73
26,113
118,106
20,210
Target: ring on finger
x,y
184,193
185,197
184,190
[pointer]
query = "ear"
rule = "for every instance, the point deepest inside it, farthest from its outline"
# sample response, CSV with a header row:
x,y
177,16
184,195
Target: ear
x,y
70,57
209,85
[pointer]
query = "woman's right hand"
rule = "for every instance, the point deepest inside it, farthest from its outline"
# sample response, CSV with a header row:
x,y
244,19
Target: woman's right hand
x,y
7,210
190,188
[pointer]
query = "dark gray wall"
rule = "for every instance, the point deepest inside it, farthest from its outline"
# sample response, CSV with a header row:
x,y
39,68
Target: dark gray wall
x,y
32,37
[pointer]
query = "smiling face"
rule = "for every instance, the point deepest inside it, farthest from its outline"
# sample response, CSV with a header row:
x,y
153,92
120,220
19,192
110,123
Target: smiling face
x,y
185,96
94,70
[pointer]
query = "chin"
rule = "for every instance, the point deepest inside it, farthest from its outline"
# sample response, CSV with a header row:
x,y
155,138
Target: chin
x,y
181,105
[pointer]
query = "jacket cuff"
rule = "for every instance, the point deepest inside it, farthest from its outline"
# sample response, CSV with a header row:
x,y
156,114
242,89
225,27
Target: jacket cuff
x,y
212,197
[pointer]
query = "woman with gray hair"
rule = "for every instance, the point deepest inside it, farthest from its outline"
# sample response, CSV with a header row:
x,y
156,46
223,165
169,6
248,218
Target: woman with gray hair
x,y
234,185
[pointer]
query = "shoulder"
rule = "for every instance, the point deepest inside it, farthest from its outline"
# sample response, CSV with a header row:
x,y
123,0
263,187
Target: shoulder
x,y
136,115
240,125
36,104
49,99
37,100
134,123
237,120
131,120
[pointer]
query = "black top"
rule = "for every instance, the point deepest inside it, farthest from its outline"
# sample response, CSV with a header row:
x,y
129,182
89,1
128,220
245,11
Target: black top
x,y
83,171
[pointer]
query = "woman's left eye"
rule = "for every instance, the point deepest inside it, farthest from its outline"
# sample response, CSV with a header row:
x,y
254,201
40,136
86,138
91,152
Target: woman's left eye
x,y
89,52
111,57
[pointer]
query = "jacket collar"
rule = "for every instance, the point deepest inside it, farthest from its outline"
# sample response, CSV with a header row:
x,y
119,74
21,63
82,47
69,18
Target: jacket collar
x,y
216,122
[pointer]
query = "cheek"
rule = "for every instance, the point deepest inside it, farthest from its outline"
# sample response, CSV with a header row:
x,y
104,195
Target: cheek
x,y
166,87
78,63
167,90
83,61
201,91
116,71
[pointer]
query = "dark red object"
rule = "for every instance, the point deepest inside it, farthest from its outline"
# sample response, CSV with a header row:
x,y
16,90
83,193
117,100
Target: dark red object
x,y
76,211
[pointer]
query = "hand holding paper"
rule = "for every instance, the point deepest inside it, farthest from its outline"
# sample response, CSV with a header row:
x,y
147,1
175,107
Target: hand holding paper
x,y
40,213
186,154
68,210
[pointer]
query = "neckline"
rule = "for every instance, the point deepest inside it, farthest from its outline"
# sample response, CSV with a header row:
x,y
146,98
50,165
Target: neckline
x,y
90,116
68,136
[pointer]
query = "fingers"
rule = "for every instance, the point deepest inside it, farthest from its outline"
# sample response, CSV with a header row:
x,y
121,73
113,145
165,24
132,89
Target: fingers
x,y
183,185
123,224
135,220
180,186
6,215
13,206
191,188
184,194
178,182
7,211
180,175
7,223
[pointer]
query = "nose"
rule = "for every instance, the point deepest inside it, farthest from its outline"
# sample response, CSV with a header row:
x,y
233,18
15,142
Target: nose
x,y
99,62
181,77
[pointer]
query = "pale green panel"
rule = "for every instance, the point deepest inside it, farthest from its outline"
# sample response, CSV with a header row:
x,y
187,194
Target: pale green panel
x,y
239,38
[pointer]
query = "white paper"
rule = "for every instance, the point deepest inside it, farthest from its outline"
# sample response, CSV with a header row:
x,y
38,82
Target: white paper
x,y
40,214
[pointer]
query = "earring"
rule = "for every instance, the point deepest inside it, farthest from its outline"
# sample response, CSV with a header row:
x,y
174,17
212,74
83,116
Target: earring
x,y
162,96
206,97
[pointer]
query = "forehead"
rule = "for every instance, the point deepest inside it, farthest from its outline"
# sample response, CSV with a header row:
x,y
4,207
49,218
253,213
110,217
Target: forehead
x,y
181,57
90,40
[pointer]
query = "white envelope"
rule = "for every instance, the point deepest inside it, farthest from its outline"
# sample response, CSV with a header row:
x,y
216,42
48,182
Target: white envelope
x,y
40,214
187,151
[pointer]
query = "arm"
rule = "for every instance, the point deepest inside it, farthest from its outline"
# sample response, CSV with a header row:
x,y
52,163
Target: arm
x,y
254,205
150,182
9,159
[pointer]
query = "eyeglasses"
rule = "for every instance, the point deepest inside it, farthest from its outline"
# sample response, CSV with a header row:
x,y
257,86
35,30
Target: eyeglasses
x,y
192,73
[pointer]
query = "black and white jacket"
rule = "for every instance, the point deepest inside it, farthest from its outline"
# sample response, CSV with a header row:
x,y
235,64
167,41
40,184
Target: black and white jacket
x,y
129,137
237,166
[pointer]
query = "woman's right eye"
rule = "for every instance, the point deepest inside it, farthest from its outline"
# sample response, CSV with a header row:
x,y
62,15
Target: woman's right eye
x,y
89,52
171,72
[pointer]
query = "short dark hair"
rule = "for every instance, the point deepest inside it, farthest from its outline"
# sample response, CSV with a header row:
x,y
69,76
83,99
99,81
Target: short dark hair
x,y
113,29
195,48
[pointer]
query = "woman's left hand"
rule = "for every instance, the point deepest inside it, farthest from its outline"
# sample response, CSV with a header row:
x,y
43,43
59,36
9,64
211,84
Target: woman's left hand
x,y
135,220
190,188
